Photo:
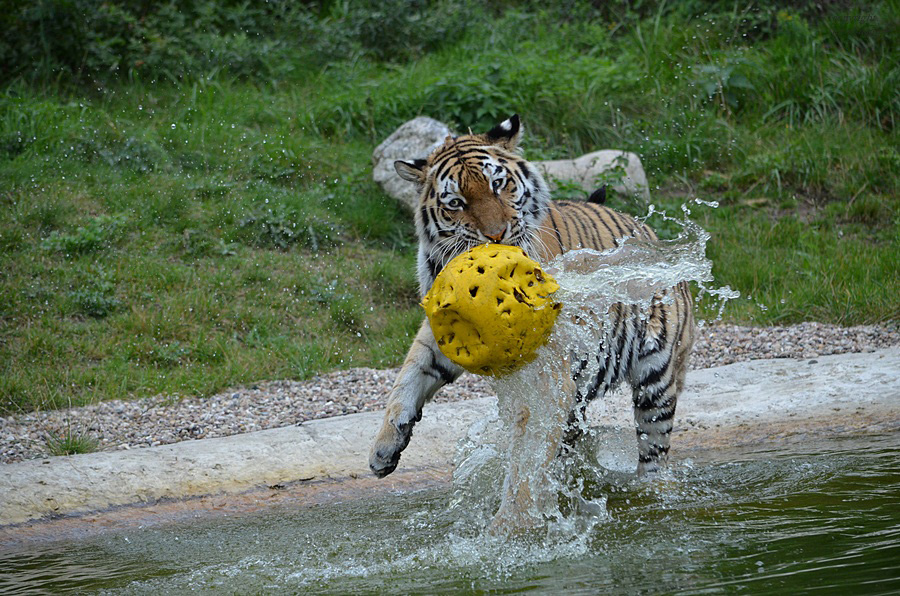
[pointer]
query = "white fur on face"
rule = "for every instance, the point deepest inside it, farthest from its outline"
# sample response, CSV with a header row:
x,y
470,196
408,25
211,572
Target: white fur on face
x,y
449,190
492,170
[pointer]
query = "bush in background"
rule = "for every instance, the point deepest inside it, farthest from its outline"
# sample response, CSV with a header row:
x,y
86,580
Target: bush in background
x,y
99,41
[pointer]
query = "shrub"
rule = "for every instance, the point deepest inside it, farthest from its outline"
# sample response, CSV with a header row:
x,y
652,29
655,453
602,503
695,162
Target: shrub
x,y
95,41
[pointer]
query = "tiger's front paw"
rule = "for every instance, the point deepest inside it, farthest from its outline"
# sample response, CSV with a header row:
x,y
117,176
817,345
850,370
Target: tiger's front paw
x,y
391,440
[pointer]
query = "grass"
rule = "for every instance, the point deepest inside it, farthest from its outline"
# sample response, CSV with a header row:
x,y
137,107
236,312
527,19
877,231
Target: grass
x,y
792,268
182,233
71,443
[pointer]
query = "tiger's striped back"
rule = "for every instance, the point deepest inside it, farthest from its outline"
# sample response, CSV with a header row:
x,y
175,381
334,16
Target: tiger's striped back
x,y
579,224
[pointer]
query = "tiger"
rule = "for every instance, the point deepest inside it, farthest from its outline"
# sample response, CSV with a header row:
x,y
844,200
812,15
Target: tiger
x,y
475,189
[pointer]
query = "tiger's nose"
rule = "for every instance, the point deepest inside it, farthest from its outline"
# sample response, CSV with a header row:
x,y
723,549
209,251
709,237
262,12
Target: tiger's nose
x,y
496,235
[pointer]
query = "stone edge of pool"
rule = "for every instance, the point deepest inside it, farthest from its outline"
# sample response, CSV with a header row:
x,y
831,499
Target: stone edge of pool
x,y
757,402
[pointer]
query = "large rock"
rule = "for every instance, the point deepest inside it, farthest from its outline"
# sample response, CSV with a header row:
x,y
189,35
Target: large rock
x,y
415,139
621,170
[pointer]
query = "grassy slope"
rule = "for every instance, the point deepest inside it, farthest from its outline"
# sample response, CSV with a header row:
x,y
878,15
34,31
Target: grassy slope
x,y
185,239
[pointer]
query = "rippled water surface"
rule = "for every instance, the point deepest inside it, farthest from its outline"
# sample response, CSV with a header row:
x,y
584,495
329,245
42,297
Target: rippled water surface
x,y
819,517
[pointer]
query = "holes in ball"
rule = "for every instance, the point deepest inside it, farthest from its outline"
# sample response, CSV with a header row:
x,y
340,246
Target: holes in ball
x,y
473,291
519,296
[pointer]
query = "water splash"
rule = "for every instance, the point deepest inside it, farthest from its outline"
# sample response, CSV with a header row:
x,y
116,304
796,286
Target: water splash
x,y
509,465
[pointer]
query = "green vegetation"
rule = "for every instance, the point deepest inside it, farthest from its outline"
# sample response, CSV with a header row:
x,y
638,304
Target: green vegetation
x,y
186,199
71,443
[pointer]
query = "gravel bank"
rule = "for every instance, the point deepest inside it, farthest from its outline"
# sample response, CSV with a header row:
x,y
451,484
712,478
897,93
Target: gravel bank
x,y
160,420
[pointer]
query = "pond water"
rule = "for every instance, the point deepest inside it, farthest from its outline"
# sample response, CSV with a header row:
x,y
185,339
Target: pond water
x,y
819,517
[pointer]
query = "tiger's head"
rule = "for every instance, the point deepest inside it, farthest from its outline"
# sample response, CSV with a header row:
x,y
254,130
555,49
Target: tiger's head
x,y
474,189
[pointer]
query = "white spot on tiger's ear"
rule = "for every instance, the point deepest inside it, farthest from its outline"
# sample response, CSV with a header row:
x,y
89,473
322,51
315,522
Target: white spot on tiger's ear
x,y
506,134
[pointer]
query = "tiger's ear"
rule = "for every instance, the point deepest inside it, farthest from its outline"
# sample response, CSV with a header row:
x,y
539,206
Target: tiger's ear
x,y
506,134
414,170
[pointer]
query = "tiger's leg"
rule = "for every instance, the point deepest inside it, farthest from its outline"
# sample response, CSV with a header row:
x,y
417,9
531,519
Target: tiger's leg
x,y
587,387
660,372
654,411
424,371
596,374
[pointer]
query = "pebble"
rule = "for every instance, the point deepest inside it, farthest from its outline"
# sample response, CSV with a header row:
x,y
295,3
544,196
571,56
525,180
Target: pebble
x,y
164,419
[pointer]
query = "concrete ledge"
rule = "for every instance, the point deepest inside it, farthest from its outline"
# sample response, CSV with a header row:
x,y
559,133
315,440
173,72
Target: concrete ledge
x,y
753,402
328,449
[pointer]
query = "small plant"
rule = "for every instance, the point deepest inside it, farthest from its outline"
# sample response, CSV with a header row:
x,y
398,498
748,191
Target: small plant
x,y
345,308
224,249
724,85
170,354
715,181
133,153
348,312
97,295
98,301
614,175
71,443
97,234
199,243
47,215
283,227
566,190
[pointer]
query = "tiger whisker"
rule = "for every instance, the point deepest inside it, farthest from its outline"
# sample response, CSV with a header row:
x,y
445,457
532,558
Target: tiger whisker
x,y
536,241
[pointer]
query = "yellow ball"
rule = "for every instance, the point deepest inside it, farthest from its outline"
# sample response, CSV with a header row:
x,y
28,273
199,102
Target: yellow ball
x,y
490,309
